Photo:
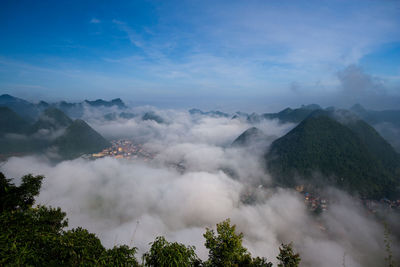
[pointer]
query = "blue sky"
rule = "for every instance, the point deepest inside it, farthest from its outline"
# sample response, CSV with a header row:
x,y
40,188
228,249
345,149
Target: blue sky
x,y
259,55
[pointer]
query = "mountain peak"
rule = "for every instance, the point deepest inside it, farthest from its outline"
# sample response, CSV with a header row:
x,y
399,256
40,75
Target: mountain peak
x,y
100,102
79,138
358,108
322,144
251,136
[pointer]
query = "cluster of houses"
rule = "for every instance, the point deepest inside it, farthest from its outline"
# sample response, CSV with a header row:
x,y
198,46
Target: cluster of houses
x,y
124,149
374,205
313,201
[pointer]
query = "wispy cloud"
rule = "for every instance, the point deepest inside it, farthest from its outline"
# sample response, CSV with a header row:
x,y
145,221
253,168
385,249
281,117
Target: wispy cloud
x,y
95,21
134,38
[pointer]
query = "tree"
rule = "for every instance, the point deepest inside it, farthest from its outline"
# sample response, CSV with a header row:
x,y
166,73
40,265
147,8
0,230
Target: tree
x,y
225,248
164,253
286,257
35,236
19,197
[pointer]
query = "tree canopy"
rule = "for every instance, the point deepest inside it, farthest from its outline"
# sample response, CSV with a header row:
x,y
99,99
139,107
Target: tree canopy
x,y
36,236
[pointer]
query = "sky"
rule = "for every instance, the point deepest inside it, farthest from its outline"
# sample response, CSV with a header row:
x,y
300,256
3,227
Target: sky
x,y
249,55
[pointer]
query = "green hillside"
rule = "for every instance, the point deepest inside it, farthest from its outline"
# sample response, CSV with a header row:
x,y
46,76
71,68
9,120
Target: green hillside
x,y
355,160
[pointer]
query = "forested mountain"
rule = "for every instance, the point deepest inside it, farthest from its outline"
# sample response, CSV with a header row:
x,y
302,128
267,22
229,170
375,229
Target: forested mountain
x,y
79,138
352,156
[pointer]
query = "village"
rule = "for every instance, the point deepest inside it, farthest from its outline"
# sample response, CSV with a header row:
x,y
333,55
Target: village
x,y
313,201
124,149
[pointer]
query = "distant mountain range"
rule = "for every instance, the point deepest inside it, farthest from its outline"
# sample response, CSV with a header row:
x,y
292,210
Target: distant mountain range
x,y
195,111
52,130
327,147
30,111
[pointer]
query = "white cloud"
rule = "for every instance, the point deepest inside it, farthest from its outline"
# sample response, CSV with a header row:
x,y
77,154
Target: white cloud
x,y
132,202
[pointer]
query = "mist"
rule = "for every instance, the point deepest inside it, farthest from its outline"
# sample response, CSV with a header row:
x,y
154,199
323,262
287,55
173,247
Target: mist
x,y
133,201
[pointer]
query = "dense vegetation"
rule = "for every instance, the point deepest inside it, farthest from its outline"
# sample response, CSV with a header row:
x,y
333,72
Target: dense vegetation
x,y
36,236
354,157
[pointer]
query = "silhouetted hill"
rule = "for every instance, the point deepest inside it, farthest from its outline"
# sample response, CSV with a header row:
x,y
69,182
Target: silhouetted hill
x,y
211,113
11,122
252,135
13,134
79,138
152,116
23,108
375,117
102,103
76,110
51,119
386,122
293,115
353,158
284,116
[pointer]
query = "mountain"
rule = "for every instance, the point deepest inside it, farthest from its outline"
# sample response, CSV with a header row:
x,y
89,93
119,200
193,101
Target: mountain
x,y
23,108
254,118
51,119
153,117
123,115
11,122
212,113
13,134
76,110
102,103
375,117
386,122
351,157
79,138
251,136
293,115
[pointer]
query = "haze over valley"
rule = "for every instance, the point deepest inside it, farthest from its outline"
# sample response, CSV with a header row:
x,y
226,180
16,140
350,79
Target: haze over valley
x,y
142,172
200,133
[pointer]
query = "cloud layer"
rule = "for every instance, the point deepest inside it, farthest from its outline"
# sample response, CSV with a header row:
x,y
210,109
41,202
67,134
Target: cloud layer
x,y
132,202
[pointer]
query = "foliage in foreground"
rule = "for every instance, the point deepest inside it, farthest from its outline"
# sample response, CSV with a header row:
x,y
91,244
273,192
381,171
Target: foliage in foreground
x,y
35,236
